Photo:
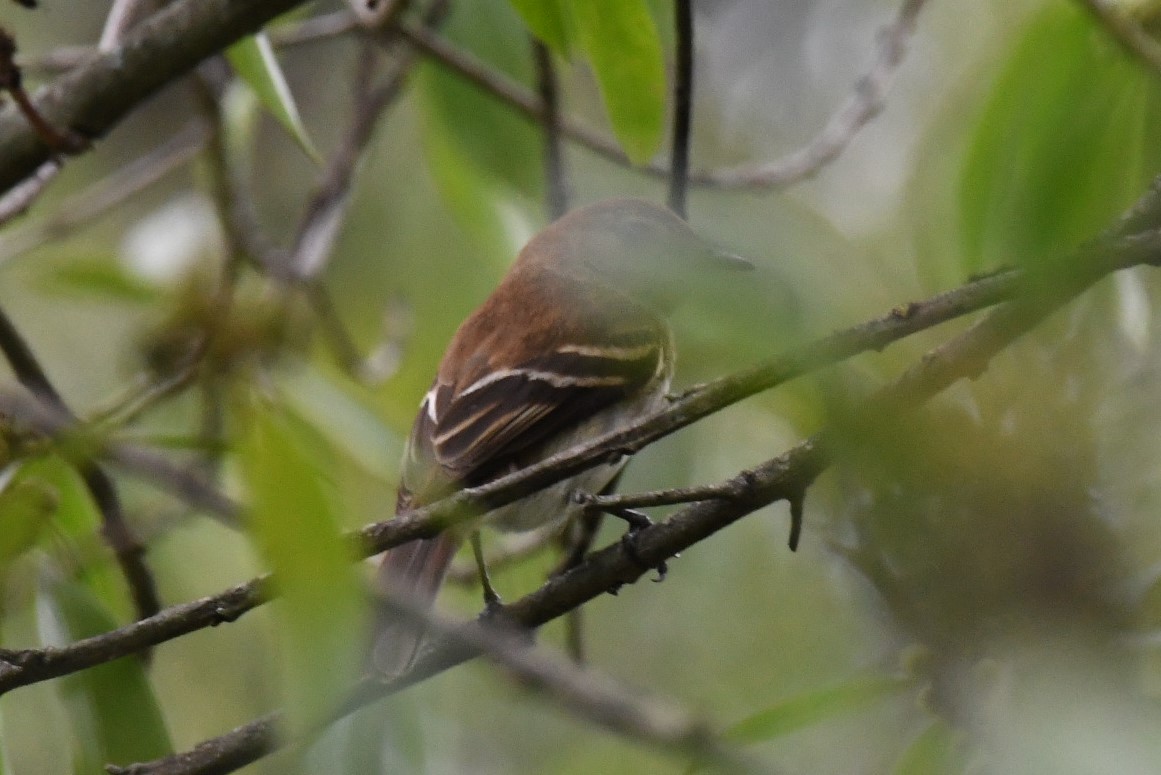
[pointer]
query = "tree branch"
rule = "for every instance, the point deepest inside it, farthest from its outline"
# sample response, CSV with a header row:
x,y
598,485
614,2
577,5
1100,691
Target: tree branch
x,y
785,477
33,666
99,92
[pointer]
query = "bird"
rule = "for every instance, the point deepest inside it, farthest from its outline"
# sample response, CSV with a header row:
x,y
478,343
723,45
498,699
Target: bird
x,y
572,343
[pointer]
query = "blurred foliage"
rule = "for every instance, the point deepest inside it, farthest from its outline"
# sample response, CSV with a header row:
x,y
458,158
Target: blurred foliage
x,y
813,707
619,38
978,588
622,44
254,60
293,519
112,708
1069,136
549,20
484,156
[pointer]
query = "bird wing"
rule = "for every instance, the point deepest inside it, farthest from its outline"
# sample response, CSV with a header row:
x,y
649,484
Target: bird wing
x,y
474,429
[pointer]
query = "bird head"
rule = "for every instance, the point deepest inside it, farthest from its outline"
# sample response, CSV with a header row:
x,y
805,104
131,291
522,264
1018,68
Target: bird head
x,y
631,246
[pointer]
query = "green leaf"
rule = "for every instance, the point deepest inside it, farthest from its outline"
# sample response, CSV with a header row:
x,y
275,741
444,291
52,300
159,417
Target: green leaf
x,y
621,42
26,505
485,208
294,521
78,523
254,61
483,156
348,424
97,279
548,21
240,113
112,708
1069,136
813,707
932,752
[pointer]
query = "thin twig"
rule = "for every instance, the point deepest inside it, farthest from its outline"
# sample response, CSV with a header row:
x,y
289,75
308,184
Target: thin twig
x,y
378,14
316,28
145,395
346,352
107,193
512,93
230,185
20,197
184,484
326,207
129,552
588,694
579,541
555,179
864,104
667,497
682,107
12,81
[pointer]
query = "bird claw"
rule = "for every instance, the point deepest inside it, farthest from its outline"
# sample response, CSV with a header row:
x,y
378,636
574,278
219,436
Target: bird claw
x,y
629,542
493,604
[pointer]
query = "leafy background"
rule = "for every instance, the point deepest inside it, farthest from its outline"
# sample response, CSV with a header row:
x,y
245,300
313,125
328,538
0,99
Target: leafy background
x,y
977,586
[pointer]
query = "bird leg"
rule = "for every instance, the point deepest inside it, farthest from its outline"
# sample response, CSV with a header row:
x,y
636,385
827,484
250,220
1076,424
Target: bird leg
x,y
491,597
637,521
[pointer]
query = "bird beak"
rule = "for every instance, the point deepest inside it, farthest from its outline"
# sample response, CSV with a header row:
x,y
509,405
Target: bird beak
x,y
725,259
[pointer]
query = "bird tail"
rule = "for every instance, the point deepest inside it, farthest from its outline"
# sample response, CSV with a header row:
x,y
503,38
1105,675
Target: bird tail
x,y
415,571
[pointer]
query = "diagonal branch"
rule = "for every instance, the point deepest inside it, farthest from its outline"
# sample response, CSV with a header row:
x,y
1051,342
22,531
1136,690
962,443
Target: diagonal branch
x,y
791,472
860,108
782,478
21,668
587,693
98,93
327,206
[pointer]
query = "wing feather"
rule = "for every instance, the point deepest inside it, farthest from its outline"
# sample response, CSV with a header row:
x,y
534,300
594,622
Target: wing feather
x,y
495,422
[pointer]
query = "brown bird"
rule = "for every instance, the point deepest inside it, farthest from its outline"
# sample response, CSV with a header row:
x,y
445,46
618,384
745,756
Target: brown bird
x,y
572,344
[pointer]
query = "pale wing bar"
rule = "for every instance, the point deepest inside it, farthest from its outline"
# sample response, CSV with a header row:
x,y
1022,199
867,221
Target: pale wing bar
x,y
508,411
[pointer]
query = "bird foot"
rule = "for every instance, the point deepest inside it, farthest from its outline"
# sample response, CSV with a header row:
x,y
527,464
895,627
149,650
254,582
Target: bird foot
x,y
638,521
493,604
